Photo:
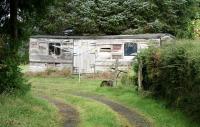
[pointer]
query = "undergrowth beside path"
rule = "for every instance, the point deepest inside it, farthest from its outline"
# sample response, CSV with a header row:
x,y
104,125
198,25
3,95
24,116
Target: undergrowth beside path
x,y
27,111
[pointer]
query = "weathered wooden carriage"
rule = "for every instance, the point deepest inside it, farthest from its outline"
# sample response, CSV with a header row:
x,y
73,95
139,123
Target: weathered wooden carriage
x,y
88,54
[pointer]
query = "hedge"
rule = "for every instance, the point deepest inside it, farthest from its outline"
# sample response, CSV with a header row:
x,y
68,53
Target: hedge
x,y
172,73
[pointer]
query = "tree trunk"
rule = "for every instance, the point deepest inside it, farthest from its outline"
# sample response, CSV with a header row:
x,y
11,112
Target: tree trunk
x,y
13,28
13,19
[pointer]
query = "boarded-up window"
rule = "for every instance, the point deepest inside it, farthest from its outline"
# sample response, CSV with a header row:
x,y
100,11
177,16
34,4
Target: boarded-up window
x,y
42,46
34,45
54,49
130,49
117,47
116,56
105,49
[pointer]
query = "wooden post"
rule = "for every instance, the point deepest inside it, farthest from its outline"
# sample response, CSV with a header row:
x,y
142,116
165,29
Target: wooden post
x,y
94,63
140,76
94,71
116,71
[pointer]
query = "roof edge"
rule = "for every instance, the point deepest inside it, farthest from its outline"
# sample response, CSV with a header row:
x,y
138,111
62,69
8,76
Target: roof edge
x,y
136,36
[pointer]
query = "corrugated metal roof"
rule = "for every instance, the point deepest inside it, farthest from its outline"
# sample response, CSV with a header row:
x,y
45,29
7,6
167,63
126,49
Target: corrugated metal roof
x,y
136,36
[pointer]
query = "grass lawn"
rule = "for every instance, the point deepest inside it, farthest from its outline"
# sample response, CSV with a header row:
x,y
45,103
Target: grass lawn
x,y
26,111
92,113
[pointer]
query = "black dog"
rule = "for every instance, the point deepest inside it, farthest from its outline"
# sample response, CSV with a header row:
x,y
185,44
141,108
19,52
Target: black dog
x,y
108,83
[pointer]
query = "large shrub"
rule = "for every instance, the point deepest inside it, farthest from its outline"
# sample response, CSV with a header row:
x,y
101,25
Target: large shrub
x,y
172,73
11,78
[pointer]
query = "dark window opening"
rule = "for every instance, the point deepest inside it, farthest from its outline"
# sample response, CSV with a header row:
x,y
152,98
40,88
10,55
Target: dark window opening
x,y
54,48
130,49
105,50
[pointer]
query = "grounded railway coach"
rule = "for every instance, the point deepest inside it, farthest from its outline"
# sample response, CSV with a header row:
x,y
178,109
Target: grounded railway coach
x,y
89,54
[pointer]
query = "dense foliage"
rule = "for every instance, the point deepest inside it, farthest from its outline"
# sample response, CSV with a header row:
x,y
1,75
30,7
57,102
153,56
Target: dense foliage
x,y
172,73
197,28
121,17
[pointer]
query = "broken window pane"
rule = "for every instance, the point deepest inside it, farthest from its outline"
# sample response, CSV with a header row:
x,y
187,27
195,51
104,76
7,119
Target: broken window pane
x,y
130,49
54,49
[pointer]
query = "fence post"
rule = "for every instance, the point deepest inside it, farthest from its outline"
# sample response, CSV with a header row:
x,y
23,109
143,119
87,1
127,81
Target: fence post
x,y
116,72
140,76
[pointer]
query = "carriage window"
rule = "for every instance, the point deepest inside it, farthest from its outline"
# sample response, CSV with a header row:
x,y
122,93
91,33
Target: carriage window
x,y
130,49
54,49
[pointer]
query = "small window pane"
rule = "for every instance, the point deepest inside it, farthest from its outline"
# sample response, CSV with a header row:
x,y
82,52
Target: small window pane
x,y
130,49
117,47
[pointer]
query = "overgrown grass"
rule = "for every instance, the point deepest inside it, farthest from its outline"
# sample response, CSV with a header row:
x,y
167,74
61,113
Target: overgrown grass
x,y
93,113
26,111
24,68
50,72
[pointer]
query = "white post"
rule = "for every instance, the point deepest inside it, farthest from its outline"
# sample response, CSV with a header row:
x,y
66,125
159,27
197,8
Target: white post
x,y
79,68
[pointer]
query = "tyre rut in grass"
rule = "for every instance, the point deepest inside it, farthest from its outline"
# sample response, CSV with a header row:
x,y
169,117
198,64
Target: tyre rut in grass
x,y
69,114
135,119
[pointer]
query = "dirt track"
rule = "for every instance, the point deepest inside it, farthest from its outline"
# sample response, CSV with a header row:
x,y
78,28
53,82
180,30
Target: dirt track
x,y
135,119
69,114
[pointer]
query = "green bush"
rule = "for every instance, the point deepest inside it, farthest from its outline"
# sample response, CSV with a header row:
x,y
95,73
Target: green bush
x,y
172,73
11,78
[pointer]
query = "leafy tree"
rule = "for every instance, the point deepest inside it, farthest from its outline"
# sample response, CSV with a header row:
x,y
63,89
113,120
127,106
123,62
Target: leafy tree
x,y
121,17
16,19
